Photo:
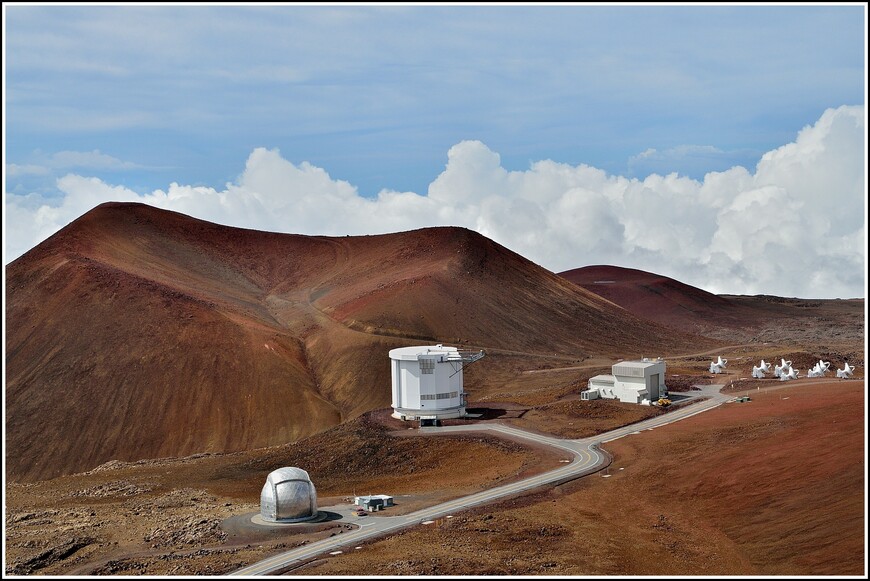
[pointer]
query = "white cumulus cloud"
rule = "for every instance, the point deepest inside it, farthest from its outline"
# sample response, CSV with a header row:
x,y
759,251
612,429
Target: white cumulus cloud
x,y
792,226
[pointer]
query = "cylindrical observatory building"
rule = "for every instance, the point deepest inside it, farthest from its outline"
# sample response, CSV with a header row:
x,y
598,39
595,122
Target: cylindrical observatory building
x,y
427,381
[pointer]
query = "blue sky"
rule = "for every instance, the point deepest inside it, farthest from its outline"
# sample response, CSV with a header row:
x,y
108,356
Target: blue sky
x,y
382,99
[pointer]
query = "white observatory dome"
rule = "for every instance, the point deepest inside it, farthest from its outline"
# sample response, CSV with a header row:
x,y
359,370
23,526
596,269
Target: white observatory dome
x,y
288,496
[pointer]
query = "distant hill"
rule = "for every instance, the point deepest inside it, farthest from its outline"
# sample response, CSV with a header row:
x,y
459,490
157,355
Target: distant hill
x,y
655,297
733,318
141,333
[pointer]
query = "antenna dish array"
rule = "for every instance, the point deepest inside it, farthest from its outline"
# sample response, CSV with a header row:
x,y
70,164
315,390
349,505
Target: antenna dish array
x,y
785,372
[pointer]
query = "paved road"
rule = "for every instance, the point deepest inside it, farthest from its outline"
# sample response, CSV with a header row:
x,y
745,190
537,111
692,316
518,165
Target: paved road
x,y
586,458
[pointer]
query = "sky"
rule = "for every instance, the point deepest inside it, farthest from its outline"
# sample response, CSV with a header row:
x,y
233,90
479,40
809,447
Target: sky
x,y
723,146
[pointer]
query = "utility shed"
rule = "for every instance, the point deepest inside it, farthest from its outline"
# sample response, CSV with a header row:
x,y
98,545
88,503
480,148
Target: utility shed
x,y
374,502
640,382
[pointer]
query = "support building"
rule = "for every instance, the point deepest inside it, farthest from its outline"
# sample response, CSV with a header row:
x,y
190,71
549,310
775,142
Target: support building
x,y
640,382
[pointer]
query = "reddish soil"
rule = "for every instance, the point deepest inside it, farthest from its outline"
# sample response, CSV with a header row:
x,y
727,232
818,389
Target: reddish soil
x,y
774,486
757,488
576,419
655,297
188,515
138,333
732,318
179,362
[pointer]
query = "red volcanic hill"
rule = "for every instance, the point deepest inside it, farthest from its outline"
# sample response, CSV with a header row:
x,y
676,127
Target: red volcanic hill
x,y
731,318
658,298
140,333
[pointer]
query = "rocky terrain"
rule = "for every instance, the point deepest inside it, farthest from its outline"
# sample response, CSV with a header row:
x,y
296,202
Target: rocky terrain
x,y
774,486
732,318
140,333
715,494
192,514
159,367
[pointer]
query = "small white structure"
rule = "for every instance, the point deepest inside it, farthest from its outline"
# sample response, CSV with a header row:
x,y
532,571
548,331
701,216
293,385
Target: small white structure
x,y
373,502
427,381
782,368
288,496
718,366
846,372
789,374
820,369
758,372
632,382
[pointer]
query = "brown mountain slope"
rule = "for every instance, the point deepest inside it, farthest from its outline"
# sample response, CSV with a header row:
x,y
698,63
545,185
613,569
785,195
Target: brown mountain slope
x,y
732,318
655,297
139,333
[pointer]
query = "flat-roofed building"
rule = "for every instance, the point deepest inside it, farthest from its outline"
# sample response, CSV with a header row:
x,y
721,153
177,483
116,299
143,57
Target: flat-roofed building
x,y
373,502
639,382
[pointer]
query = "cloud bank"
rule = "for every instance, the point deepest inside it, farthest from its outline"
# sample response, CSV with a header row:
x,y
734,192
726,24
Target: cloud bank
x,y
793,227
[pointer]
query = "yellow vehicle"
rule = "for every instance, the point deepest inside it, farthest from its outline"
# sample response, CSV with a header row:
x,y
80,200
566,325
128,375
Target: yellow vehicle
x,y
664,402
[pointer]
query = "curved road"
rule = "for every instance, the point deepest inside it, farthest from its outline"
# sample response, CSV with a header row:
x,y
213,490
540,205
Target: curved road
x,y
586,459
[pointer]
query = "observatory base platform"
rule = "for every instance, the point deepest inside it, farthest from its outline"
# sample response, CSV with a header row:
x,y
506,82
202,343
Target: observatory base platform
x,y
258,519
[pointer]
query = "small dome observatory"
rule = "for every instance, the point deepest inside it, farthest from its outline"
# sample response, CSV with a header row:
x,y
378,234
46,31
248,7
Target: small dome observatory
x,y
288,496
427,381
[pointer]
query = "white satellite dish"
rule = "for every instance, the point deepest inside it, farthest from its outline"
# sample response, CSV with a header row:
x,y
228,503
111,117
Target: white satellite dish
x,y
780,369
820,369
758,372
846,372
718,366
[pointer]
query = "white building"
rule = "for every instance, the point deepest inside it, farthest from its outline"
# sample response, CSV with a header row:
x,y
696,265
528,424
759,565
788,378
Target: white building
x,y
373,502
427,382
632,381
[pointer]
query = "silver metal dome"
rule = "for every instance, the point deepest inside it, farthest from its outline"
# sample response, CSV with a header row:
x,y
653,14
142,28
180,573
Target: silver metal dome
x,y
288,496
